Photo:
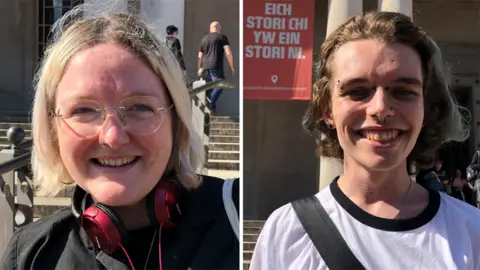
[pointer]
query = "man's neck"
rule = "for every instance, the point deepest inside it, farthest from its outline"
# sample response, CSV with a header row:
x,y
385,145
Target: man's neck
x,y
381,193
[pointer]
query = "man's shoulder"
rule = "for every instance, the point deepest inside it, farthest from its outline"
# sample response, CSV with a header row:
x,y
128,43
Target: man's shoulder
x,y
460,211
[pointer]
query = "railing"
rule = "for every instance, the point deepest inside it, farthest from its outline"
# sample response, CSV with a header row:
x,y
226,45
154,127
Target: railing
x,y
16,186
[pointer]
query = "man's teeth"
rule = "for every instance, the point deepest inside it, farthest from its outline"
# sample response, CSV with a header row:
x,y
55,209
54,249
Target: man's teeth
x,y
380,135
115,162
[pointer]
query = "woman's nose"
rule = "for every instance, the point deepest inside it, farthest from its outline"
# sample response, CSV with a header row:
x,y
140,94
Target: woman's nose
x,y
113,133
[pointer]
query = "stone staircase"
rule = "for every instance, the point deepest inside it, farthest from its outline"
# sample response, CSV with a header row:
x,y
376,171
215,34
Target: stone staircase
x,y
224,147
251,231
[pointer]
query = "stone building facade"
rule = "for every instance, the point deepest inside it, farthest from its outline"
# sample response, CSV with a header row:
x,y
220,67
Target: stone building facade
x,y
25,24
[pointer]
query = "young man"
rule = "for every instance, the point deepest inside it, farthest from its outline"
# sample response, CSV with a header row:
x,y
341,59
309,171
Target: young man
x,y
213,47
173,43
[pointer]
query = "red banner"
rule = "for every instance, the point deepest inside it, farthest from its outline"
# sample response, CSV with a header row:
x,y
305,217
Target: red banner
x,y
277,43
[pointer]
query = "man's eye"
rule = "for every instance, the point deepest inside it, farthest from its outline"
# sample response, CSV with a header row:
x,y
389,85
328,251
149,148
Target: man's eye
x,y
357,93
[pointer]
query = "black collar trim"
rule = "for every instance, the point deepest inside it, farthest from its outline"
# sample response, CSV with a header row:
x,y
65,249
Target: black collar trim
x,y
382,223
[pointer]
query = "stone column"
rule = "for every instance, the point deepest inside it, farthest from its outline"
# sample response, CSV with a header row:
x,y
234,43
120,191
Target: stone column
x,y
338,12
401,6
161,13
93,7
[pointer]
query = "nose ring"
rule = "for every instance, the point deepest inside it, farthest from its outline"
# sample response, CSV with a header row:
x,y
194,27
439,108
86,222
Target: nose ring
x,y
382,121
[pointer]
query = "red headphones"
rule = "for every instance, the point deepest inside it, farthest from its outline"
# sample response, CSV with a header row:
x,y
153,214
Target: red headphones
x,y
105,228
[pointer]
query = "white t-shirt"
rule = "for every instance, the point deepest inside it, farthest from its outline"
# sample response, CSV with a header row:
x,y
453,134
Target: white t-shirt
x,y
446,235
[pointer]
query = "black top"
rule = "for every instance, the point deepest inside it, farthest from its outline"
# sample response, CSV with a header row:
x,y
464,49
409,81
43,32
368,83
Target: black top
x,y
203,240
213,52
174,45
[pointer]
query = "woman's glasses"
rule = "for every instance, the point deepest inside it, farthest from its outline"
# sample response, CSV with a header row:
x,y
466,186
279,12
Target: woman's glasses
x,y
140,115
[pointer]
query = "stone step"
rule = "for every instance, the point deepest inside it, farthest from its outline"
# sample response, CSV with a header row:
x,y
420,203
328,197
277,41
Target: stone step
x,y
4,140
219,119
216,164
223,155
227,125
24,126
224,147
248,246
7,125
224,132
247,255
224,139
223,174
45,206
246,264
3,132
249,237
252,230
253,223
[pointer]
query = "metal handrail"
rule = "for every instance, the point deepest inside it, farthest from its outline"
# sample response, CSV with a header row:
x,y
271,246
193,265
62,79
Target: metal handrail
x,y
220,83
15,163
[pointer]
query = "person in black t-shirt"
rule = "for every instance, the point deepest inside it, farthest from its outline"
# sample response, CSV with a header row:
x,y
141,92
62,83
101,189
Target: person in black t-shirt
x,y
213,47
173,44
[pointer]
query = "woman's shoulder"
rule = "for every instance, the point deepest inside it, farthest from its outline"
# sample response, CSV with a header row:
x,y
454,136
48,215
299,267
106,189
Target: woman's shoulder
x,y
26,240
45,225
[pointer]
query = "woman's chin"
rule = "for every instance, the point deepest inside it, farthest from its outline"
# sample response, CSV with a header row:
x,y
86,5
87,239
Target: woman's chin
x,y
115,195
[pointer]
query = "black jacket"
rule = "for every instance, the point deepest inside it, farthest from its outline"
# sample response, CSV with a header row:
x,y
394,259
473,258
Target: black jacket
x,y
174,44
203,240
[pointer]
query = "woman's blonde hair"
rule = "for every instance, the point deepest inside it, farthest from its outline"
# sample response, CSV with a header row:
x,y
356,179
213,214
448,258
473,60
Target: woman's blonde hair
x,y
443,120
75,32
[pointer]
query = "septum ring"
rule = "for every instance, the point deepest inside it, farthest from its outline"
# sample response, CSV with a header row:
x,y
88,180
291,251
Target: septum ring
x,y
382,121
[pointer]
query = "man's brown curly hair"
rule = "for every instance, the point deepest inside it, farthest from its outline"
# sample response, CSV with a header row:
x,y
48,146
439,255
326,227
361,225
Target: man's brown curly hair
x,y
443,120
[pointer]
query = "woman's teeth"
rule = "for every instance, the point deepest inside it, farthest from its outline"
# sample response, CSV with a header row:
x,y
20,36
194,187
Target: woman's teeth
x,y
380,136
116,162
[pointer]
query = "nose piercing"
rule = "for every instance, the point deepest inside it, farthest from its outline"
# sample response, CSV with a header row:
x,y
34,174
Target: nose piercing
x,y
382,121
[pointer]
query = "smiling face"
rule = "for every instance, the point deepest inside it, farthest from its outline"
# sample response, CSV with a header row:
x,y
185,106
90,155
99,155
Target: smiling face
x,y
114,166
372,81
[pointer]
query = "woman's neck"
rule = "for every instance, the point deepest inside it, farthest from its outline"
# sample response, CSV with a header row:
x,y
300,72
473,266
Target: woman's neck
x,y
134,216
386,194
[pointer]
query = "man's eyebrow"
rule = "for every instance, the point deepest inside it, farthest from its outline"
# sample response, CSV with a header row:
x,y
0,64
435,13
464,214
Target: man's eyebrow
x,y
403,79
409,80
351,81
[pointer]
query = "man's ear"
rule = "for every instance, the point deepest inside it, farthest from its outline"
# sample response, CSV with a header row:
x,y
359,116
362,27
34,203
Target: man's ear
x,y
328,119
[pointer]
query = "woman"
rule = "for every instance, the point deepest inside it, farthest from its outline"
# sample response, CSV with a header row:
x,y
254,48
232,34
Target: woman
x,y
112,116
458,184
382,104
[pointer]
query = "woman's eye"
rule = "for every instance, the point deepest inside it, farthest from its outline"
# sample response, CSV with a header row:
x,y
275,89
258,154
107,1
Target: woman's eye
x,y
140,108
82,110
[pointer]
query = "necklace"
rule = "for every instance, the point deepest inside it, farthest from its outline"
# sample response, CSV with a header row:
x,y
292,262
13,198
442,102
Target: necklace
x,y
404,198
150,250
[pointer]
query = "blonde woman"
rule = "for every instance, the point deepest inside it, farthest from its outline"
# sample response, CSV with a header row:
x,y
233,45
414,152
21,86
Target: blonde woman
x,y
382,104
112,116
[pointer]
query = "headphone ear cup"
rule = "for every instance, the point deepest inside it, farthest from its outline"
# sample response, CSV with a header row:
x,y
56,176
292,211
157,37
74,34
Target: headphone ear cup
x,y
104,227
166,208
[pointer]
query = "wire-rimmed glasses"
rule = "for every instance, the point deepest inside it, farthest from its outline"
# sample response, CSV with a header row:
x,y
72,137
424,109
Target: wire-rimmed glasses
x,y
140,115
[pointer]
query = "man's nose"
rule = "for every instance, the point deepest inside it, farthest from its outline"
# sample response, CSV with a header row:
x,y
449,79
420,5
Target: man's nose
x,y
380,104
